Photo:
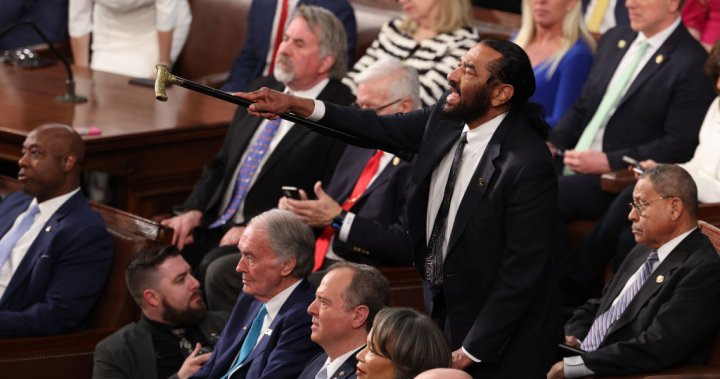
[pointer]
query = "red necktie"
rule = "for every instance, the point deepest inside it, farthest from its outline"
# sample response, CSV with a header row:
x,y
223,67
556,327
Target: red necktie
x,y
279,35
323,242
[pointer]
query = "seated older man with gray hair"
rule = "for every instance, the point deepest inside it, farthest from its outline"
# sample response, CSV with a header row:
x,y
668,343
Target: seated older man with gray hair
x,y
268,334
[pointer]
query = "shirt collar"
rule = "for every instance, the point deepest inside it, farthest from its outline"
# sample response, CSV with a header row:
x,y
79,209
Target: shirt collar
x,y
48,207
664,250
273,305
484,131
659,38
335,364
310,93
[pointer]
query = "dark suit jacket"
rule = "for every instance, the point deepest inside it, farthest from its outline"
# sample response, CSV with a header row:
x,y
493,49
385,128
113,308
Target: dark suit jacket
x,y
129,352
51,16
378,235
499,291
250,64
660,115
670,322
49,292
300,159
621,12
347,369
282,354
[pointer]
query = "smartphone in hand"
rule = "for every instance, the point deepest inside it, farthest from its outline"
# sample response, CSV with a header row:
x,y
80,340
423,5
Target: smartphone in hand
x,y
291,192
634,163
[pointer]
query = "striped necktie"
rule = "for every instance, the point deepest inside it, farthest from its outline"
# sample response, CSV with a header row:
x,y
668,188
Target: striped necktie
x,y
8,241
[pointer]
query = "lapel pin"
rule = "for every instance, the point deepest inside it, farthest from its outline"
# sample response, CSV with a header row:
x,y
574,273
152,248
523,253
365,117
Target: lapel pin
x,y
244,328
396,161
660,279
481,182
341,373
659,59
49,228
268,332
622,44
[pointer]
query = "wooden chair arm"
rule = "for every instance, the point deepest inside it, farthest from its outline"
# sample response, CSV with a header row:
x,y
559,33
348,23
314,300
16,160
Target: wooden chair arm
x,y
616,181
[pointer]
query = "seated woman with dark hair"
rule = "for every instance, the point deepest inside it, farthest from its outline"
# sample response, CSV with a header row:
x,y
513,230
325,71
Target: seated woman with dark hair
x,y
402,344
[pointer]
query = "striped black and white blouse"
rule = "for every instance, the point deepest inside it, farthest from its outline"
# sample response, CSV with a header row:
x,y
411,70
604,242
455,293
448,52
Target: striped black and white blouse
x,y
433,58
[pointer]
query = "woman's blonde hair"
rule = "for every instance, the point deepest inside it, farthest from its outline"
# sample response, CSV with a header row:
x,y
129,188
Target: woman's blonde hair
x,y
573,28
452,15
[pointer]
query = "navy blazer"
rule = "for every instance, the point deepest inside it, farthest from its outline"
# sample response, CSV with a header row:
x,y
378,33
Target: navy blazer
x,y
250,64
499,290
347,370
51,16
300,159
673,320
378,236
63,273
283,352
660,115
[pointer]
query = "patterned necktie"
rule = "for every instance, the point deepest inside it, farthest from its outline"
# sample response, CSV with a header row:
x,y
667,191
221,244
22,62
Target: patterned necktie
x,y
323,242
248,169
250,341
615,90
603,322
185,345
434,258
8,241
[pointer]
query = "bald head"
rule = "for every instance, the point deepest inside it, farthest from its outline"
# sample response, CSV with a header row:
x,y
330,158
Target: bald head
x,y
444,373
50,163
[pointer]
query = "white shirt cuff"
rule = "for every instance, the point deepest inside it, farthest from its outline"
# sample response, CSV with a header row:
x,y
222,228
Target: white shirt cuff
x,y
470,355
318,112
575,367
345,229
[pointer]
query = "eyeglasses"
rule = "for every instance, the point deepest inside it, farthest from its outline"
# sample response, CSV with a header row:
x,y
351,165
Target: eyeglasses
x,y
641,207
376,109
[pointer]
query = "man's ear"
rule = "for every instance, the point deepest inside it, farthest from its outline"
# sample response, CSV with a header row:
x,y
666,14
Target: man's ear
x,y
287,267
326,64
501,94
68,162
360,316
152,298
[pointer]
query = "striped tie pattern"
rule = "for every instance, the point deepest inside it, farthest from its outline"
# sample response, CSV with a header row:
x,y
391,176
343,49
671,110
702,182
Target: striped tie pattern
x,y
248,169
603,322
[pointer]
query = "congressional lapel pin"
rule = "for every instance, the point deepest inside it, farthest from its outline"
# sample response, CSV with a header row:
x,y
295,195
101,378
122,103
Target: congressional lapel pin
x,y
244,328
622,43
660,279
481,182
396,161
659,59
268,332
49,228
341,373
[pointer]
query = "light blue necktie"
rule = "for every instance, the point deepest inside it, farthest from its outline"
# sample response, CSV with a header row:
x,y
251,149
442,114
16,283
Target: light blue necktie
x,y
8,241
250,341
323,373
603,322
248,169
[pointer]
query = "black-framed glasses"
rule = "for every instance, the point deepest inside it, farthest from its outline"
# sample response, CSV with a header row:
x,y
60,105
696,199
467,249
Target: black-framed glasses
x,y
376,109
640,207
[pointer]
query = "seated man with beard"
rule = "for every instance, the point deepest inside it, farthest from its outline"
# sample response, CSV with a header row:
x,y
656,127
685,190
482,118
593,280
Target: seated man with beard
x,y
174,325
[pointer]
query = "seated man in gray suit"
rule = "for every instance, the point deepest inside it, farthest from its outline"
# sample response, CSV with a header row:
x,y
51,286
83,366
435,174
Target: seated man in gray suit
x,y
346,302
661,309
172,329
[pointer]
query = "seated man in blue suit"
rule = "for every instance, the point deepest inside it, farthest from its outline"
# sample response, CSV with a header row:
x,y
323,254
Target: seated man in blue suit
x,y
661,309
346,302
268,334
258,54
55,253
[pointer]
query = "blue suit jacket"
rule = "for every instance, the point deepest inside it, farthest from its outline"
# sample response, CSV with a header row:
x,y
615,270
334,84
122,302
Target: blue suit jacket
x,y
61,277
249,65
281,354
659,116
379,231
500,295
51,16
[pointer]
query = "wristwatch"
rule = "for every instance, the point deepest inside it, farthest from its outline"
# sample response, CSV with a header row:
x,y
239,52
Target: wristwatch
x,y
337,222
